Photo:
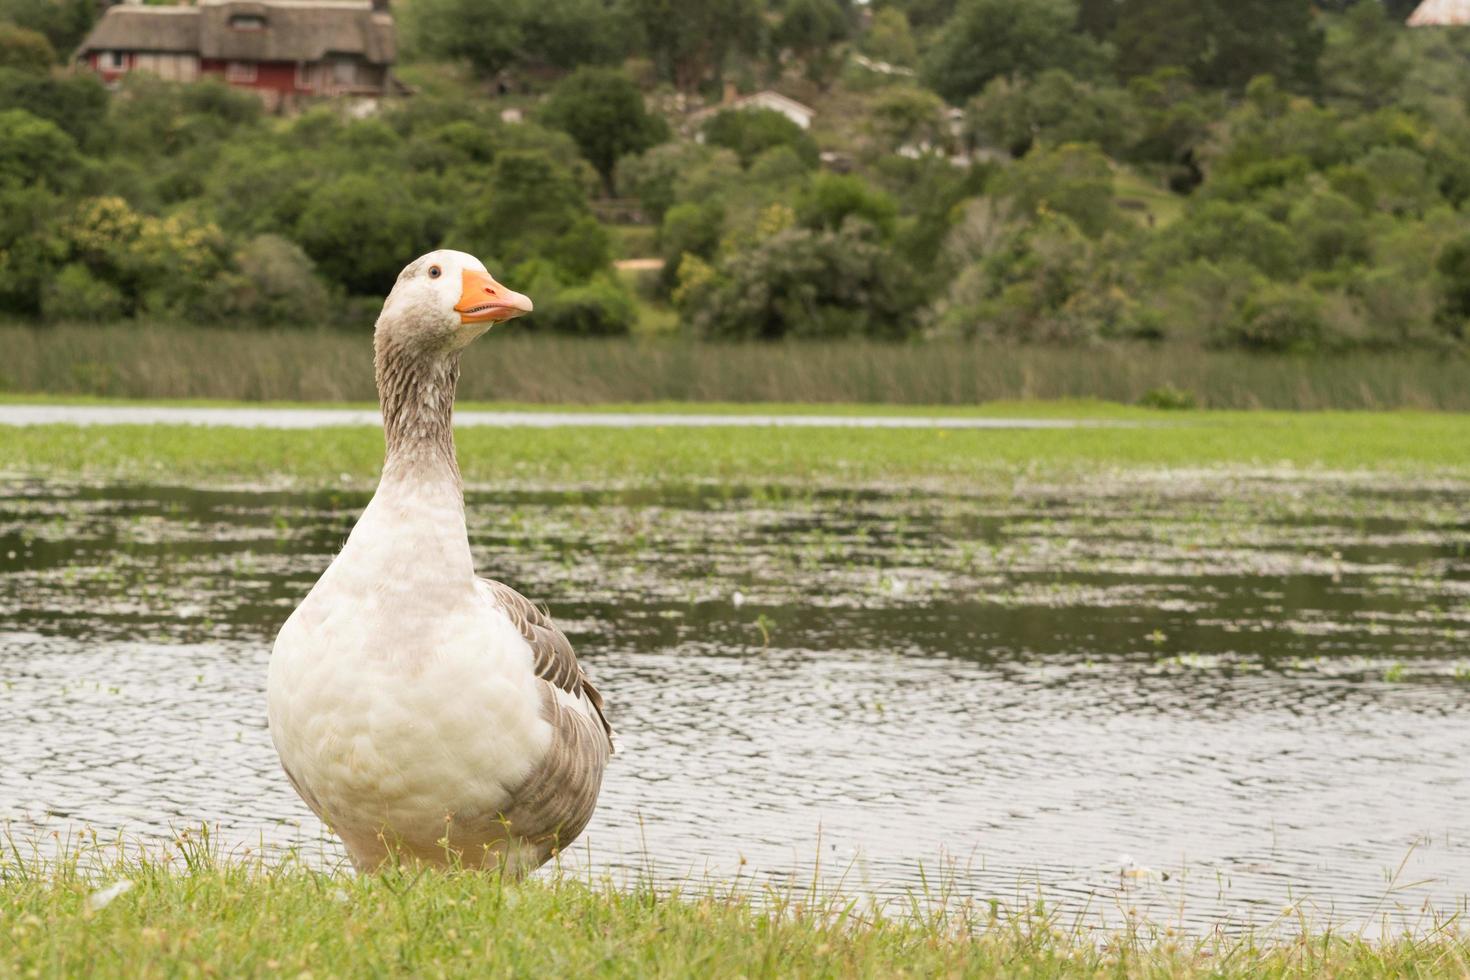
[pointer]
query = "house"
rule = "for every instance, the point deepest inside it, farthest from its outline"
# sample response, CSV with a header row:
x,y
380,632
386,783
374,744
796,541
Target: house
x,y
798,113
286,50
1441,13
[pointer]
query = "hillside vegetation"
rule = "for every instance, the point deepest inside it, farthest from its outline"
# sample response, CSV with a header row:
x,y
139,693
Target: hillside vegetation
x,y
1269,176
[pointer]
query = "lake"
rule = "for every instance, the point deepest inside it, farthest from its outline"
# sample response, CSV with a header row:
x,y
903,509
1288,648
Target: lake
x,y
1204,698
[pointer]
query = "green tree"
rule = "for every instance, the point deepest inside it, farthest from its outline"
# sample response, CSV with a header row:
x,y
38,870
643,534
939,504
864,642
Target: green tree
x,y
533,209
1222,43
442,29
36,151
603,111
907,115
1054,109
988,39
30,245
1074,179
64,22
361,229
809,29
689,40
890,38
1364,58
801,283
750,132
76,103
25,50
829,200
567,34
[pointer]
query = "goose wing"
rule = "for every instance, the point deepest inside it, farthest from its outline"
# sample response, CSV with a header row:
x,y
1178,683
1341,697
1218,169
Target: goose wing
x,y
557,798
556,664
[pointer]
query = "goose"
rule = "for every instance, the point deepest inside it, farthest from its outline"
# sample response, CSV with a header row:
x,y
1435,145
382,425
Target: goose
x,y
426,714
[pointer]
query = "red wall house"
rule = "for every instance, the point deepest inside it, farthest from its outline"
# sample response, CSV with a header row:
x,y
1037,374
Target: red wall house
x,y
283,49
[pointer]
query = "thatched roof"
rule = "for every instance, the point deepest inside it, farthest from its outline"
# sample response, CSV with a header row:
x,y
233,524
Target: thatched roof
x,y
295,30
1441,13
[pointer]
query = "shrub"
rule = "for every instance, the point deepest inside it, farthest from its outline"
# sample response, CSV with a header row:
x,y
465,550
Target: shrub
x,y
1280,317
750,132
276,283
830,199
689,229
1330,230
600,308
1220,232
800,283
1168,398
77,294
653,176
1075,180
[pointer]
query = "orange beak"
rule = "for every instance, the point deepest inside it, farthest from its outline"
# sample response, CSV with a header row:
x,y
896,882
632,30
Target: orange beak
x,y
483,300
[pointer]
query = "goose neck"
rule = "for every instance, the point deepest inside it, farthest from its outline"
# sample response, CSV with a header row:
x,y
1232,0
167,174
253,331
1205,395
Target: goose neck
x,y
416,393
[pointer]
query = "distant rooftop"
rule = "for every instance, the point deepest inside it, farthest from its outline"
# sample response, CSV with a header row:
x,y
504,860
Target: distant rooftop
x,y
1441,13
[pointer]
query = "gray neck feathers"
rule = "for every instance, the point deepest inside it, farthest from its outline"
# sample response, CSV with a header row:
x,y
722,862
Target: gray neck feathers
x,y
416,392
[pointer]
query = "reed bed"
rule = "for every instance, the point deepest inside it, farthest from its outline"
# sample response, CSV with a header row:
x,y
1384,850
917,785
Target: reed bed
x,y
137,361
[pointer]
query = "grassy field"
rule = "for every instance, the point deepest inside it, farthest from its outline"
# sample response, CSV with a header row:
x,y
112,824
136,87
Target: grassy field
x,y
136,361
186,912
1411,443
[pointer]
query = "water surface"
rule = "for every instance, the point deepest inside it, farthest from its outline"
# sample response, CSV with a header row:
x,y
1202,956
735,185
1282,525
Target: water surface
x,y
1203,697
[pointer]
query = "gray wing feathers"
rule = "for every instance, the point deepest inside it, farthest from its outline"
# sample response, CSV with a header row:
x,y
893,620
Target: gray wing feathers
x,y
555,662
555,802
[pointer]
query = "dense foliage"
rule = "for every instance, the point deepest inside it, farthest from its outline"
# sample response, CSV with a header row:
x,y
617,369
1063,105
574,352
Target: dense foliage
x,y
1270,176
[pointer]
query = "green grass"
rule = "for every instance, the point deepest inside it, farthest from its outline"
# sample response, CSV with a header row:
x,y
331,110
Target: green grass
x,y
515,364
187,912
1407,443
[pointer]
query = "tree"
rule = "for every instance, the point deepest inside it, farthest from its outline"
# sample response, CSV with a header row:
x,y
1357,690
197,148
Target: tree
x,y
809,29
750,132
1054,109
566,34
800,283
1074,179
603,111
1222,43
890,38
25,50
907,115
689,40
988,39
64,22
533,208
830,199
440,28
361,229
36,151
77,103
1363,59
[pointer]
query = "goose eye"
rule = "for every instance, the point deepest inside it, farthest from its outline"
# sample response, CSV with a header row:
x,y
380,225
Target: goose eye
x,y
434,272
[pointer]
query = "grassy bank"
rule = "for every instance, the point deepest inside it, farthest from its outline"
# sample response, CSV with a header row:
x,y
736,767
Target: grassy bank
x,y
134,361
1406,442
189,914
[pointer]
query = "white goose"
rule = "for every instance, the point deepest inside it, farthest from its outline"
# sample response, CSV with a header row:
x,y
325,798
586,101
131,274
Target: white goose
x,y
422,712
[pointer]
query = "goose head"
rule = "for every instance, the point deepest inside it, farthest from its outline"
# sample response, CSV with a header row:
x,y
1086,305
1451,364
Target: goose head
x,y
444,300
